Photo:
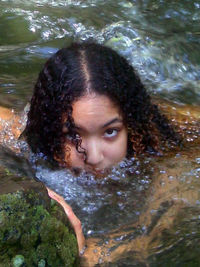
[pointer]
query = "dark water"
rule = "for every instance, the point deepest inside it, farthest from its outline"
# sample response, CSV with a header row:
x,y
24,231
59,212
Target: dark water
x,y
158,197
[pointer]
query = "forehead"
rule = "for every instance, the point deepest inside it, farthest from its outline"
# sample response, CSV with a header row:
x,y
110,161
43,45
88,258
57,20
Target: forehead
x,y
94,109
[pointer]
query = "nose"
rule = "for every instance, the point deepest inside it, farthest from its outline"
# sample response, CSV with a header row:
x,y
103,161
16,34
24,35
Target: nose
x,y
94,155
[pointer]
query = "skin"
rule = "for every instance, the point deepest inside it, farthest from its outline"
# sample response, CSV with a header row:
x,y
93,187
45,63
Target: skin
x,y
10,127
99,124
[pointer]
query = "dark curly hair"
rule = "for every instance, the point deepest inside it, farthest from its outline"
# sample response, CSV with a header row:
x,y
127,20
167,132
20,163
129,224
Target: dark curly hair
x,y
89,67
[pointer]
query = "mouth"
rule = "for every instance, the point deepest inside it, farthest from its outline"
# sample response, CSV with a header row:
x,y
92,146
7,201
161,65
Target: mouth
x,y
99,173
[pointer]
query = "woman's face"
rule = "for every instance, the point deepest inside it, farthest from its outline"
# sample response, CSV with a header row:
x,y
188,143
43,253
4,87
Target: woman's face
x,y
99,123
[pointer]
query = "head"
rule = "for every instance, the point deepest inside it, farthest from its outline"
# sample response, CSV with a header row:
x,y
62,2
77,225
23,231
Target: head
x,y
90,110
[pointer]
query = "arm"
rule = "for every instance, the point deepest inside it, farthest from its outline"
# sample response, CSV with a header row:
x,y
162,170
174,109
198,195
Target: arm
x,y
12,124
75,222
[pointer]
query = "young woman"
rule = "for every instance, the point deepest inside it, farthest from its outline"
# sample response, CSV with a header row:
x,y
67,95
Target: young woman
x,y
90,110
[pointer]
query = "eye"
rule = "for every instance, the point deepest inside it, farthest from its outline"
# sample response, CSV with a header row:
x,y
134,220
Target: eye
x,y
111,133
68,136
78,136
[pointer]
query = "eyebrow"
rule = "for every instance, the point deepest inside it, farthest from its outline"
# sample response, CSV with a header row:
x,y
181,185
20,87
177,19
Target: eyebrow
x,y
110,122
104,125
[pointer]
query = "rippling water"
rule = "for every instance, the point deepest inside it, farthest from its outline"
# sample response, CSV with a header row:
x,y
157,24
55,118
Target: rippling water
x,y
160,38
112,196
158,197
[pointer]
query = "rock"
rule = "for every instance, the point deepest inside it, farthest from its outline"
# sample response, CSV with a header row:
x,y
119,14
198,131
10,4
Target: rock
x,y
34,230
18,261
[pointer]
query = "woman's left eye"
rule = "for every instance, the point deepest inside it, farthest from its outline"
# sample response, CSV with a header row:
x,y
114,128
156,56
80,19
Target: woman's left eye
x,y
110,133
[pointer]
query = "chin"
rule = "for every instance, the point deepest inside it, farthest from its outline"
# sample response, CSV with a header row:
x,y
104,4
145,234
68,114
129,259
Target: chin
x,y
99,173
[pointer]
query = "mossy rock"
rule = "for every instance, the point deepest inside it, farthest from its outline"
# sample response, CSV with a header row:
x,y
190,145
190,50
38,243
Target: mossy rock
x,y
34,230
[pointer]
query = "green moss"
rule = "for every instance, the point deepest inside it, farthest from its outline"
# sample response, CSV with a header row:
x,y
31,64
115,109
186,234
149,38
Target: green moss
x,y
32,235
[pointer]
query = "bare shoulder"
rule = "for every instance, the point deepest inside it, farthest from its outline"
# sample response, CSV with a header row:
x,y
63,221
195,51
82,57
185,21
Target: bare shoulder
x,y
11,127
6,114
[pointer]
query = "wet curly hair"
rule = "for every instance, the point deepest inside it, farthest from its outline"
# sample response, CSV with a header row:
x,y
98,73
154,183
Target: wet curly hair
x,y
88,67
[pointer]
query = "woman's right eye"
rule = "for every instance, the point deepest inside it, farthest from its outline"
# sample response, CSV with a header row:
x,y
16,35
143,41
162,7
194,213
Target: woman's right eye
x,y
78,136
70,136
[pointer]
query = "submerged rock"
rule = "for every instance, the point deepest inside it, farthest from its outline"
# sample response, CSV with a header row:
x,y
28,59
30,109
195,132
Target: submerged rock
x,y
34,230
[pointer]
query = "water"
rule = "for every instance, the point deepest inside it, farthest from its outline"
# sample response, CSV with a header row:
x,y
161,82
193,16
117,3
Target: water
x,y
160,38
94,200
159,197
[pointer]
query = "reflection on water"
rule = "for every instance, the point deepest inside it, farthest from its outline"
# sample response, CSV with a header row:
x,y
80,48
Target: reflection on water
x,y
155,201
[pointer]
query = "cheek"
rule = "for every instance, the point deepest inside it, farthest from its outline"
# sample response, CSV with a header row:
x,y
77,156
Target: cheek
x,y
116,151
